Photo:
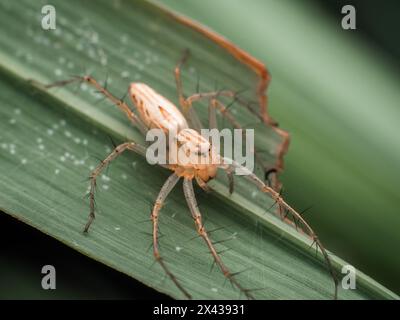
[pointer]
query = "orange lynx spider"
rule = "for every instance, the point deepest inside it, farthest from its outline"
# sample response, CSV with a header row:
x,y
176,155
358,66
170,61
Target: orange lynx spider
x,y
155,111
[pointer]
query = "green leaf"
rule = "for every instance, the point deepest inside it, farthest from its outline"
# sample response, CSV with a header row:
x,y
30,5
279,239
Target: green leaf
x,y
50,139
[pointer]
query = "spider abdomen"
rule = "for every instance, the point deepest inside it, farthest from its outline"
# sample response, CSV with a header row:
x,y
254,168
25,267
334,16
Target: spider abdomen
x,y
155,110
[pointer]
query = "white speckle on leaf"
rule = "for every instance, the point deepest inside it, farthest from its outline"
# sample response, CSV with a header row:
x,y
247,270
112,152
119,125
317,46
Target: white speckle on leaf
x,y
58,72
84,142
105,178
63,122
84,86
178,249
57,171
117,228
97,95
124,38
103,60
105,187
125,74
17,111
67,134
124,176
24,161
77,140
92,53
50,132
39,140
94,38
214,289
41,147
62,158
12,121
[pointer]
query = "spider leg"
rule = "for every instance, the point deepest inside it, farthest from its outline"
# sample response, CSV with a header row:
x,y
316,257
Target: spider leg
x,y
211,94
93,175
186,105
224,93
229,164
203,184
212,116
192,203
215,104
213,124
116,101
165,190
188,112
178,79
228,115
231,181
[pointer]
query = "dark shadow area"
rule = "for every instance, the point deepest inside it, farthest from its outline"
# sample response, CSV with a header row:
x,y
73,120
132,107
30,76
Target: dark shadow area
x,y
25,250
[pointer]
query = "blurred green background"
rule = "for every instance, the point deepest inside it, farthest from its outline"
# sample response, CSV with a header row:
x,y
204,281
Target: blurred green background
x,y
336,91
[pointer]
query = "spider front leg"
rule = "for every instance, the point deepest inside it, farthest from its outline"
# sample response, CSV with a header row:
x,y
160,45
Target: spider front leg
x,y
229,164
178,80
93,175
135,120
192,203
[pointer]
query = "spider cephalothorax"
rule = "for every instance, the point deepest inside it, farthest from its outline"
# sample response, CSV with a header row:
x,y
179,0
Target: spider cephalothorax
x,y
195,157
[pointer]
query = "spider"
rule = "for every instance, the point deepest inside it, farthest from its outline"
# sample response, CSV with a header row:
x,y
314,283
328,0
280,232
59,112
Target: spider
x,y
156,111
